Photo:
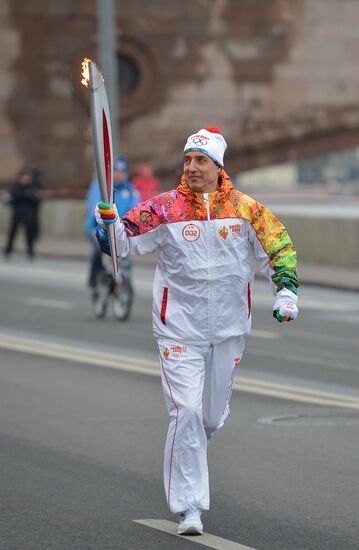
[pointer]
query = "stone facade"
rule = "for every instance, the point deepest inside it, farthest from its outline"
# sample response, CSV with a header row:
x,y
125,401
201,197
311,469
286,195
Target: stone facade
x,y
279,78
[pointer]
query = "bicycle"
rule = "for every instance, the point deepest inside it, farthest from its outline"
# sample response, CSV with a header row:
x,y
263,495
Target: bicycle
x,y
107,289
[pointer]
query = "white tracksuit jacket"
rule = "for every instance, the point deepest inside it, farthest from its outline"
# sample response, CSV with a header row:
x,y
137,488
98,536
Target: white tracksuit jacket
x,y
206,246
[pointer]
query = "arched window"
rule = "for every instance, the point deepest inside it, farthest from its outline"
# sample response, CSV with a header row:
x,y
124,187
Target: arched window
x,y
128,73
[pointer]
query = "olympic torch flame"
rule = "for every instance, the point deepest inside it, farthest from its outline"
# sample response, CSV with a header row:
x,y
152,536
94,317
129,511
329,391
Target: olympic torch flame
x,y
102,141
85,73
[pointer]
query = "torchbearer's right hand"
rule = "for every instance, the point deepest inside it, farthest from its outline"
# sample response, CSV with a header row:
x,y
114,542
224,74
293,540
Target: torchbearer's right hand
x,y
285,306
105,214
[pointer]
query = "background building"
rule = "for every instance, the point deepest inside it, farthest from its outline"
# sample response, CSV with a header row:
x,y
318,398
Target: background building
x,y
279,78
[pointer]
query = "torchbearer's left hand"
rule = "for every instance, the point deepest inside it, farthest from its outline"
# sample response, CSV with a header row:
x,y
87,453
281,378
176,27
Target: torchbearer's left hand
x,y
105,214
285,306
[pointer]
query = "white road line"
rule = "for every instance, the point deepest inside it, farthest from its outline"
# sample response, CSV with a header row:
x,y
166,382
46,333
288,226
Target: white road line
x,y
36,272
135,364
211,541
260,299
79,355
302,395
266,334
44,302
145,284
287,357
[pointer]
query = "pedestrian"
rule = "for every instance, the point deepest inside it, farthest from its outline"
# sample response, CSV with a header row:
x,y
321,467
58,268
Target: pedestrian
x,y
207,236
38,183
126,197
23,197
145,182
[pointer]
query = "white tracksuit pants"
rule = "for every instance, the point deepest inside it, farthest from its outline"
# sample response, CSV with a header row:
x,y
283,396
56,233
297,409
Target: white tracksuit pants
x,y
197,383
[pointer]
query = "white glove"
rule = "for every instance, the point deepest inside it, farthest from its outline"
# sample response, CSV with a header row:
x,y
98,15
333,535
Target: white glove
x,y
105,217
285,306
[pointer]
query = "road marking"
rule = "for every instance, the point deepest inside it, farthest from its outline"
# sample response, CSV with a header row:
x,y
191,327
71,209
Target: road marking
x,y
260,299
320,337
266,334
143,284
206,539
285,357
37,271
78,355
44,302
143,366
295,393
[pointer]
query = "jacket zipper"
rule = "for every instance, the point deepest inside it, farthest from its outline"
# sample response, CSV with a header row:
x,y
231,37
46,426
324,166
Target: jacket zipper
x,y
210,269
206,200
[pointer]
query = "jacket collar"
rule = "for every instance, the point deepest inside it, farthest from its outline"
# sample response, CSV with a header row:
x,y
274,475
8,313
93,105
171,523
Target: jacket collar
x,y
222,193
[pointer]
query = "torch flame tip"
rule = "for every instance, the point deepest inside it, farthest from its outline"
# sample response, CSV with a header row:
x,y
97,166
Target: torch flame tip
x,y
85,72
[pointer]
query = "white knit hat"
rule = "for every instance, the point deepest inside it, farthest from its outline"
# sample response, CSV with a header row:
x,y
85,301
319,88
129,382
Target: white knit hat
x,y
208,141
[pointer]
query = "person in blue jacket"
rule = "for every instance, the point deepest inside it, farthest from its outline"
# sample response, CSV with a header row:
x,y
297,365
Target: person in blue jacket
x,y
126,197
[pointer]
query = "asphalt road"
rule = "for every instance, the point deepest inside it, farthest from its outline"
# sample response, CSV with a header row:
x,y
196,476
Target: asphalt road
x,y
81,441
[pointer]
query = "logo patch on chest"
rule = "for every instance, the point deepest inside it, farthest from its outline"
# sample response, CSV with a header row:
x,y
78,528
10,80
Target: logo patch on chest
x,y
235,229
223,232
231,231
191,232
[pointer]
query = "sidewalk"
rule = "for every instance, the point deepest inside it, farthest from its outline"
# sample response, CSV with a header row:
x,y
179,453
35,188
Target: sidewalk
x,y
321,275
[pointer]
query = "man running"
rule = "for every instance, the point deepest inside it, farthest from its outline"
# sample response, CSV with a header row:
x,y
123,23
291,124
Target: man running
x,y
207,236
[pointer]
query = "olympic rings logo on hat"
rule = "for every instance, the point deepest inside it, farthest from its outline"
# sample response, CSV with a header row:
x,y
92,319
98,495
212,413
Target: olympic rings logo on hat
x,y
199,140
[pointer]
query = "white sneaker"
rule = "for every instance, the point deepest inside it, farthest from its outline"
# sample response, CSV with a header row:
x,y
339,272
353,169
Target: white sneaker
x,y
190,522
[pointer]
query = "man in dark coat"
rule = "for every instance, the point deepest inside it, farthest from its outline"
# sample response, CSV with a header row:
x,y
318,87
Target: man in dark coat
x,y
23,198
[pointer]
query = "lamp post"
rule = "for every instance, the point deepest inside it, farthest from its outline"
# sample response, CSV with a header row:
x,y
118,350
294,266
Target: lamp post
x,y
106,21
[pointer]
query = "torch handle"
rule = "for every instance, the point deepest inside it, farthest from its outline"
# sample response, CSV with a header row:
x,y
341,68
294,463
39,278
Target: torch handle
x,y
102,140
113,247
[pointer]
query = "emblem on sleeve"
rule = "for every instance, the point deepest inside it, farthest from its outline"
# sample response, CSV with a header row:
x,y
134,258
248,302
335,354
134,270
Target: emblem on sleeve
x,y
191,232
145,217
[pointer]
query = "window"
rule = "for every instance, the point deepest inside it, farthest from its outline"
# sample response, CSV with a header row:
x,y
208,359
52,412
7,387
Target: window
x,y
128,74
138,77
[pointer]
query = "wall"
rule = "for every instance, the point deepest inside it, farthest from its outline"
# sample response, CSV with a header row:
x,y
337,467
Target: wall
x,y
279,77
331,240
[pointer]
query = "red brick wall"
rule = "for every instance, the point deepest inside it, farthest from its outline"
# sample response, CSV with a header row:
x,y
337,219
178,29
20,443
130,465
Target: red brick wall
x,y
280,78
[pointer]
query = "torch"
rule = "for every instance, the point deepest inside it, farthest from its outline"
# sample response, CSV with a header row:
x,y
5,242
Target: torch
x,y
102,142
